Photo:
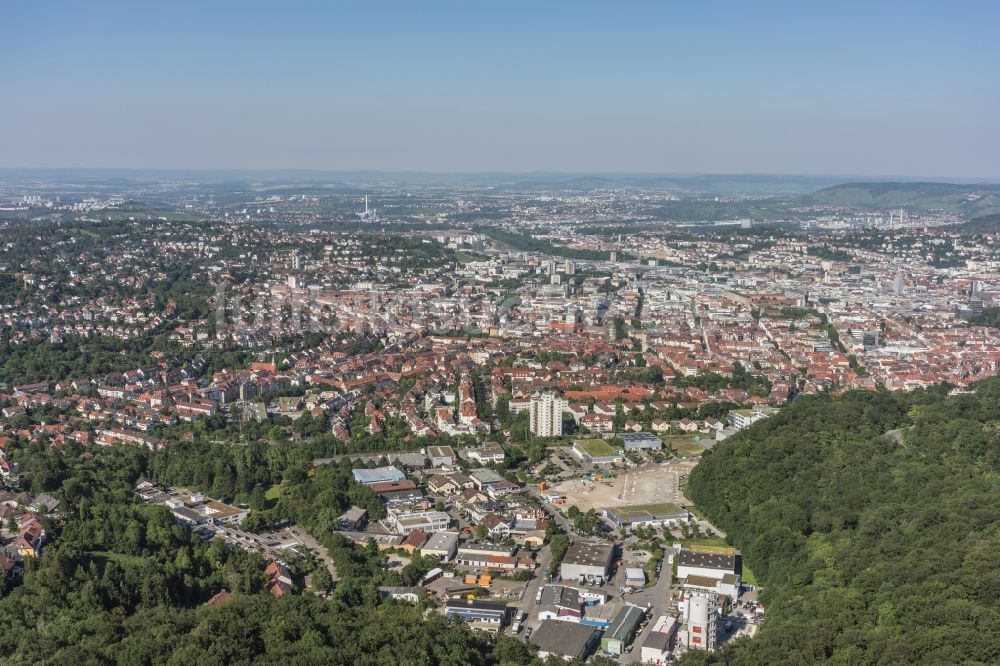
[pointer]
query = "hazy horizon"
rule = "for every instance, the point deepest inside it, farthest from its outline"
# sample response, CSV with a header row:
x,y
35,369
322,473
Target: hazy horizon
x,y
894,91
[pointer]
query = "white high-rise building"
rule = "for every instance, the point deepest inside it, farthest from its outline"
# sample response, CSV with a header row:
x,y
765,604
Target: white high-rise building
x,y
545,413
700,610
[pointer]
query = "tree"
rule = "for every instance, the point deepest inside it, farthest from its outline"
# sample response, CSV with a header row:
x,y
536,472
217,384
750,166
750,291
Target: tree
x,y
482,532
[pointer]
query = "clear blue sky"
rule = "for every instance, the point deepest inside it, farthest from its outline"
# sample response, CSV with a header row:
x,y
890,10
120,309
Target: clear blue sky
x,y
868,88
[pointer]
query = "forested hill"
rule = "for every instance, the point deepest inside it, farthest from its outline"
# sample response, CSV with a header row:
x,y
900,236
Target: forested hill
x,y
873,548
968,200
986,224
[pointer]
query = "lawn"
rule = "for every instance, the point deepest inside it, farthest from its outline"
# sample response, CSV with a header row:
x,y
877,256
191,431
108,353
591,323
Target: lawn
x,y
747,576
274,492
684,446
705,542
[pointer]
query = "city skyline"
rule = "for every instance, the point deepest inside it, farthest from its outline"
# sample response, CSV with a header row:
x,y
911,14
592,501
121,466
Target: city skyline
x,y
780,89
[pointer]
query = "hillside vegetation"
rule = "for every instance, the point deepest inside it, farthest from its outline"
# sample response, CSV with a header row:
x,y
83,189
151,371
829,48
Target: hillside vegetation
x,y
967,200
985,224
872,548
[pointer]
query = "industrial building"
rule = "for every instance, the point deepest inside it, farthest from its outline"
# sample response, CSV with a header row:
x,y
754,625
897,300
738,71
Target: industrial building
x,y
656,648
622,630
700,611
709,563
587,561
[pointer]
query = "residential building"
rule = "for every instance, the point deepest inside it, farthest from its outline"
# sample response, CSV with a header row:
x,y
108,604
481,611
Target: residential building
x,y
545,415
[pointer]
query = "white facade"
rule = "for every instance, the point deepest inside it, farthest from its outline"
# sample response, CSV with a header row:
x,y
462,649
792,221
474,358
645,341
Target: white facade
x,y
546,415
700,612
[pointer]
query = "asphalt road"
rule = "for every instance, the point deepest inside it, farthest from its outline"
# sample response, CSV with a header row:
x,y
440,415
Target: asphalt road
x,y
658,596
527,603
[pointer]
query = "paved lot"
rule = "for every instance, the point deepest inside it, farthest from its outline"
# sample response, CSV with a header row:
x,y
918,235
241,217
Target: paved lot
x,y
648,484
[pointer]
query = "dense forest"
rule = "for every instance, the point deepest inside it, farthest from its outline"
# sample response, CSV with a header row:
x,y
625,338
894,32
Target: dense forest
x,y
871,521
121,583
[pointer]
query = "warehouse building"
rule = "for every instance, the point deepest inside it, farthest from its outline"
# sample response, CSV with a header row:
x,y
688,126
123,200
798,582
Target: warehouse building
x,y
622,630
565,639
588,561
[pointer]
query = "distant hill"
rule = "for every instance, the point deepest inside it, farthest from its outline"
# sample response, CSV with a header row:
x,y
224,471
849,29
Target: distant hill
x,y
969,200
985,224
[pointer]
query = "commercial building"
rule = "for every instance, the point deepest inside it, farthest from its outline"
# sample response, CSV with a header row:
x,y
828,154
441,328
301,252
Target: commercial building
x,y
378,475
427,521
441,544
487,616
597,452
587,561
638,441
647,515
489,453
441,456
545,415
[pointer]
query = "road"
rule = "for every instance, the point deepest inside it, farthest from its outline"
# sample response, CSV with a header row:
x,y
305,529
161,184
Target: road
x,y
658,596
531,589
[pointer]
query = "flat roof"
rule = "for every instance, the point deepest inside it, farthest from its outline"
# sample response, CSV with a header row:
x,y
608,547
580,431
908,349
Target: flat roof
x,y
566,638
441,541
707,560
589,553
642,512
596,448
485,475
657,640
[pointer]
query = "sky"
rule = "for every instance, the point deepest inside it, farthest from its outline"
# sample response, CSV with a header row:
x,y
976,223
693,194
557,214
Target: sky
x,y
855,88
